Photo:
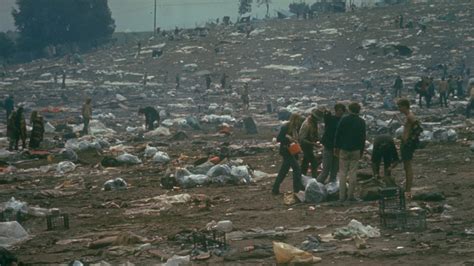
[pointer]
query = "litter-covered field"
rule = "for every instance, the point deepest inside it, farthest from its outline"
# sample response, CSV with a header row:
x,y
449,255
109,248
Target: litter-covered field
x,y
197,189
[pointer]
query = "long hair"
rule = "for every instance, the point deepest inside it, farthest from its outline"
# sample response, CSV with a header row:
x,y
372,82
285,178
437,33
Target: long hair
x,y
294,124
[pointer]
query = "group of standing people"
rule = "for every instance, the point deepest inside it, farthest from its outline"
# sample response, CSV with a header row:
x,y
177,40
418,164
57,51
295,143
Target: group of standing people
x,y
427,87
16,126
343,144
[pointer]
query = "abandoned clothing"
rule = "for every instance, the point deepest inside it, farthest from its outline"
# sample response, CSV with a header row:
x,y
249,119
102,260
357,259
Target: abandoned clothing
x,y
330,126
350,134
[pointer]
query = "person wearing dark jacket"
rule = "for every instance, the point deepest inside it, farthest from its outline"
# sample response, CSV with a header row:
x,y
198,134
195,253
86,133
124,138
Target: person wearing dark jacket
x,y
38,130
384,148
308,138
330,162
16,129
288,134
398,86
9,105
349,147
151,115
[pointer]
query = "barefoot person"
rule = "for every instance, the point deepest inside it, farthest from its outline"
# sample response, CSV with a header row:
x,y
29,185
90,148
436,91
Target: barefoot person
x,y
410,141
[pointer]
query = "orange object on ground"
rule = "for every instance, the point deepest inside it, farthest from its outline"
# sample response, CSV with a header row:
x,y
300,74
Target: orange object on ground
x,y
215,160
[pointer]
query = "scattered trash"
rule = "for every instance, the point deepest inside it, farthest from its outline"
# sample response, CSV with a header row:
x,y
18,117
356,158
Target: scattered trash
x,y
128,159
285,253
161,157
115,184
356,228
65,167
11,233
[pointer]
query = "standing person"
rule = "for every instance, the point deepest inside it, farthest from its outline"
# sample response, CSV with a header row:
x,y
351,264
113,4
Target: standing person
x,y
470,104
289,134
16,129
37,132
430,93
178,79
443,92
308,137
330,161
63,83
151,115
223,80
208,81
384,148
398,86
349,147
421,87
452,85
410,141
459,87
86,115
400,21
9,105
245,97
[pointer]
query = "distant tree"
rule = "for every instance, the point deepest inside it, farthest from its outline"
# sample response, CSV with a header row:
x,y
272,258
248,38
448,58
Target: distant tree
x,y
245,6
267,6
7,46
44,22
300,8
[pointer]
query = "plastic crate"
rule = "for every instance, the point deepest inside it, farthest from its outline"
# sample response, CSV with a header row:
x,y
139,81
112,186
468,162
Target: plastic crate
x,y
391,199
408,220
57,221
207,240
9,215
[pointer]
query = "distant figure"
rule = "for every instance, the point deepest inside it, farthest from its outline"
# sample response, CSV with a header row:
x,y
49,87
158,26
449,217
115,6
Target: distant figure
x,y
208,81
178,79
86,115
223,80
398,86
151,115
139,48
37,132
400,21
443,92
16,129
384,148
63,84
459,88
430,93
452,85
470,104
145,79
9,105
245,97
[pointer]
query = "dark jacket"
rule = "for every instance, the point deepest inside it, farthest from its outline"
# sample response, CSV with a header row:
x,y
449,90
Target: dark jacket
x,y
151,115
9,104
283,140
350,133
330,126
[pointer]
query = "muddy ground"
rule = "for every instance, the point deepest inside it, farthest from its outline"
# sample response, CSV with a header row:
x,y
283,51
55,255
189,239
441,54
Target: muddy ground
x,y
331,73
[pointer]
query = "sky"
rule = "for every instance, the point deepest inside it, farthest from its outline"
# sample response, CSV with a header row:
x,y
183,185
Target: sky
x,y
137,15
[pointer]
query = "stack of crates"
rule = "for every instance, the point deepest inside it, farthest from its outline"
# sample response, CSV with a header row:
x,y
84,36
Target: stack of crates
x,y
393,212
